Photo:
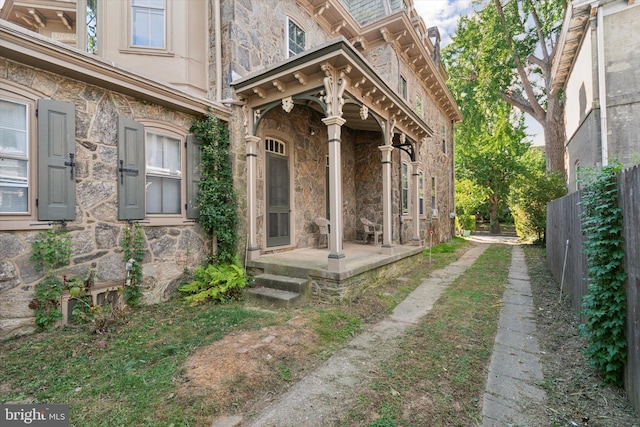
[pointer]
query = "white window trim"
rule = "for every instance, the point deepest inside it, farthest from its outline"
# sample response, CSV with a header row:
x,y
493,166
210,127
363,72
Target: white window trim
x,y
130,48
404,94
168,219
408,188
286,36
421,197
16,220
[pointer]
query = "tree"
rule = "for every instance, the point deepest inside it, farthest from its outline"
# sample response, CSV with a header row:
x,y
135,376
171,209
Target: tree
x,y
508,47
531,192
489,144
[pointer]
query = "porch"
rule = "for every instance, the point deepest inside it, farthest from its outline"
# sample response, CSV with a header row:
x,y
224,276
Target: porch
x,y
366,267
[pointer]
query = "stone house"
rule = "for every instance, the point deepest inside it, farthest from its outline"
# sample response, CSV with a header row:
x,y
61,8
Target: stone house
x,y
336,110
597,66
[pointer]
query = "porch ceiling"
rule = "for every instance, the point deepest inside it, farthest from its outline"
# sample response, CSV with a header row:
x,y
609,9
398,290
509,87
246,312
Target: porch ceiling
x,y
303,74
36,14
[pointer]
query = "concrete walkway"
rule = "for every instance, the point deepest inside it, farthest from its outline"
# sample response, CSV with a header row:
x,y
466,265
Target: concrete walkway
x,y
515,364
319,399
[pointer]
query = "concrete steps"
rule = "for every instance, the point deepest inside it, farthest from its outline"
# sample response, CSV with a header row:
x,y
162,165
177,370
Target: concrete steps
x,y
278,291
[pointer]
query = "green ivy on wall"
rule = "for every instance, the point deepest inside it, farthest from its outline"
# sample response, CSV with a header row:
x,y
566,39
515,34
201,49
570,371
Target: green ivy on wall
x,y
604,306
133,250
216,196
50,250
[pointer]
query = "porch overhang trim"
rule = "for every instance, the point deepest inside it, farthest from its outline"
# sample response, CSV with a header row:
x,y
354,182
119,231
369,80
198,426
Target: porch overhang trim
x,y
30,48
573,29
260,88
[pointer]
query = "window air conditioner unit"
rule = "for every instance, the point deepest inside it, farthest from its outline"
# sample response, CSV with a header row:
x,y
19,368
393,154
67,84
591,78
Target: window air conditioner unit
x,y
434,212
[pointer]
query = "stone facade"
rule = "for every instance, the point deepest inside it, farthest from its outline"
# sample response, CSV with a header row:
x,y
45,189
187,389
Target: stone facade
x,y
96,232
167,89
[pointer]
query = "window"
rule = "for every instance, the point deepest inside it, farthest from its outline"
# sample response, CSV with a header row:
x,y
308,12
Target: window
x,y
164,174
148,23
405,188
92,26
421,192
443,133
37,169
434,205
296,39
419,110
157,176
403,87
14,158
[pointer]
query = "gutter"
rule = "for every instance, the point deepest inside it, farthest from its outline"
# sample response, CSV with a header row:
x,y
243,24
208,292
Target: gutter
x,y
602,88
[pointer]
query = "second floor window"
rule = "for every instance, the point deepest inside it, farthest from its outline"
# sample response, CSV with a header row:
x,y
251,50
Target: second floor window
x,y
419,110
296,40
403,87
148,23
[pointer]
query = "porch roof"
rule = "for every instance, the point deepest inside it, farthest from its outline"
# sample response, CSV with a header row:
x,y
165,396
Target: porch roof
x,y
303,74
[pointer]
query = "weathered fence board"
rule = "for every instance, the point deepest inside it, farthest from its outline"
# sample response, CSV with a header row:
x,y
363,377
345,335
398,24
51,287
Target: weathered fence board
x,y
563,224
629,187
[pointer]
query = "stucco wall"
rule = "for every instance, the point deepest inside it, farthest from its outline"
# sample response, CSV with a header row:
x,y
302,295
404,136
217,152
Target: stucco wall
x,y
96,232
622,57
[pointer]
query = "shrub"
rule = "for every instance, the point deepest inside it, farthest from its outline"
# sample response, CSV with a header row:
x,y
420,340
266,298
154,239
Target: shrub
x,y
219,282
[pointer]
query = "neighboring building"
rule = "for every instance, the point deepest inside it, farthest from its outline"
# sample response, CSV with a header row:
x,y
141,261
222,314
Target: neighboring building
x,y
336,109
598,58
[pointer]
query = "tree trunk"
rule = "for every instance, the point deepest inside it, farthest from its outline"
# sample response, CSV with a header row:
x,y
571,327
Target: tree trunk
x,y
554,134
493,216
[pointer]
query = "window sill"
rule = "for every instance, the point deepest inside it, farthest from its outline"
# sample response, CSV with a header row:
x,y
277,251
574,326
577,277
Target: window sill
x,y
147,51
24,224
167,221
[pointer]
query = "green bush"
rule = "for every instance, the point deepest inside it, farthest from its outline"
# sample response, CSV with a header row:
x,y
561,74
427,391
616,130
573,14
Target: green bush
x,y
605,304
219,282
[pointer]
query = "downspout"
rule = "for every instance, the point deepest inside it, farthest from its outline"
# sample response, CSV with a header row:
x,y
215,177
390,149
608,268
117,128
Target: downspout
x,y
602,89
218,47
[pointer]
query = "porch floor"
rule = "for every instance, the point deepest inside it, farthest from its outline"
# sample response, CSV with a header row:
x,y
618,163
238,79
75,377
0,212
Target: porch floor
x,y
306,262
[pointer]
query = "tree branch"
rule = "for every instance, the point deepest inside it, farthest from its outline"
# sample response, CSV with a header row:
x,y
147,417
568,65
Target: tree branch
x,y
522,104
524,78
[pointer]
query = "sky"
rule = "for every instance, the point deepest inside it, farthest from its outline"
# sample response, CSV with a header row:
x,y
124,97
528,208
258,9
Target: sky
x,y
445,15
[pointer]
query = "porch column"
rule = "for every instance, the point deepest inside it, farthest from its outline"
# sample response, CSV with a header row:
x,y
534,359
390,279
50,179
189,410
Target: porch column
x,y
336,256
415,212
253,251
387,247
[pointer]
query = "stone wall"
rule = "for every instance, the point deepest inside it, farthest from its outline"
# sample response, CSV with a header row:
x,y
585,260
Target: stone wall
x,y
96,232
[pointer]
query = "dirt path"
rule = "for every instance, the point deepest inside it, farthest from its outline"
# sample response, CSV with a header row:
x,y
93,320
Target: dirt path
x,y
322,397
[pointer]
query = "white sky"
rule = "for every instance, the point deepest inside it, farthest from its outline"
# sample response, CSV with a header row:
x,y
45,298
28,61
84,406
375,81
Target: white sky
x,y
445,14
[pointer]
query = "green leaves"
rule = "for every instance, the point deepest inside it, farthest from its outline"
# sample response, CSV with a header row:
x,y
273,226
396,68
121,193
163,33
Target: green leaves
x,y
216,195
220,282
133,249
605,303
51,250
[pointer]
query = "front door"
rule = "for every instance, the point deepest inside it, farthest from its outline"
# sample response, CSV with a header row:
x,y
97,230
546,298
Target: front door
x,y
278,207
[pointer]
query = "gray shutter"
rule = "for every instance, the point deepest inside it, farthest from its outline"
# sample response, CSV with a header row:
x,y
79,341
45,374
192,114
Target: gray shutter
x,y
131,169
56,160
194,156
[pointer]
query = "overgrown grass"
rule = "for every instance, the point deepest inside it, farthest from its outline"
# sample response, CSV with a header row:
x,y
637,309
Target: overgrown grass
x,y
126,377
130,376
439,373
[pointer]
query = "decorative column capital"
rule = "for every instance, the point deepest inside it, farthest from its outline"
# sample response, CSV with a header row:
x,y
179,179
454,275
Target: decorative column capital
x,y
334,120
252,144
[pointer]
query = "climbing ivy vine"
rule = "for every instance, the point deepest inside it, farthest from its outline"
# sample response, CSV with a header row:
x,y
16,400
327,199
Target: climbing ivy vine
x,y
133,250
216,197
604,306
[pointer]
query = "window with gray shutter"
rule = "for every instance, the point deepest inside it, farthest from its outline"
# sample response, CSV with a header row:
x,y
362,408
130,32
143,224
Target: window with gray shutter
x,y
56,160
194,156
131,163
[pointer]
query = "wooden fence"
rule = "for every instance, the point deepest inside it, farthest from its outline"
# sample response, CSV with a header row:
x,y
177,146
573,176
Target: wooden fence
x,y
565,242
